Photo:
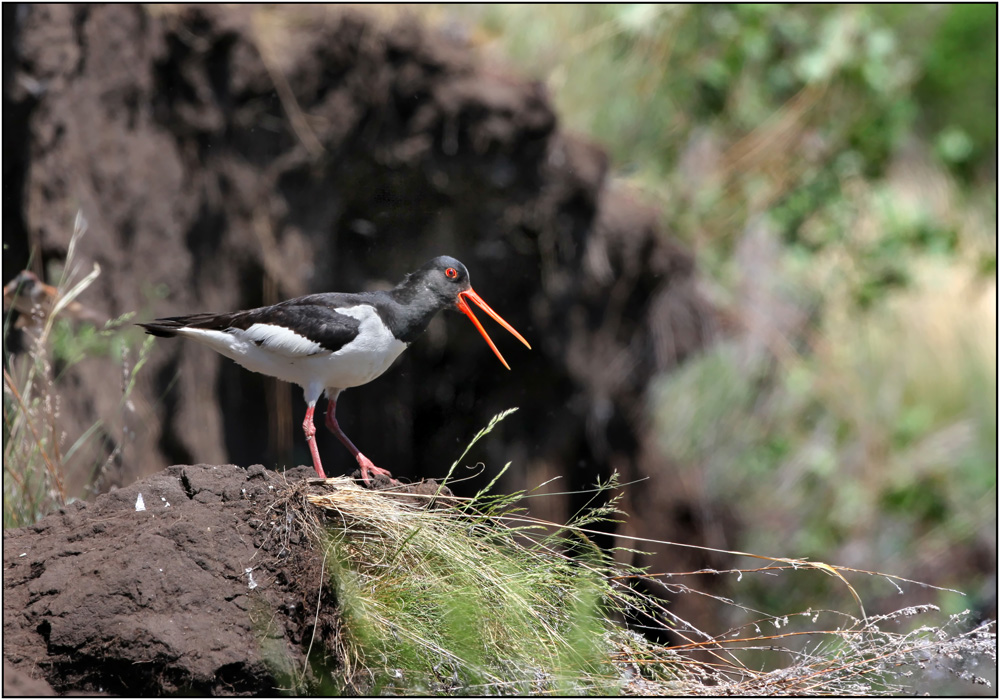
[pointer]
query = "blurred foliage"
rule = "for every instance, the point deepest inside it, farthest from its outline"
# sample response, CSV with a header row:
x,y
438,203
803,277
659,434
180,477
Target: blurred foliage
x,y
834,169
724,111
877,445
72,343
958,87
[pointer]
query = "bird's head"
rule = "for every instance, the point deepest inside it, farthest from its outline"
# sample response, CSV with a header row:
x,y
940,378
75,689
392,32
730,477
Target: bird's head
x,y
449,280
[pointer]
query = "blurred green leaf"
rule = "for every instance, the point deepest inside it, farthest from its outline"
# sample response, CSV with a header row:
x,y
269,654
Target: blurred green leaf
x,y
954,145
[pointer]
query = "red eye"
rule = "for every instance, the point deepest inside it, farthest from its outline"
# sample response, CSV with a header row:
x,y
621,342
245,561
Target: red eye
x,y
451,273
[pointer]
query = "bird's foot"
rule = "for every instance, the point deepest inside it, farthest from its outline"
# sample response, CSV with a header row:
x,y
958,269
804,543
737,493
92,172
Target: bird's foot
x,y
368,469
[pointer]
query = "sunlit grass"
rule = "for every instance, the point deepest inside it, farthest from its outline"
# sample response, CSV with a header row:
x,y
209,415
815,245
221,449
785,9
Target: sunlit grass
x,y
456,596
446,600
452,600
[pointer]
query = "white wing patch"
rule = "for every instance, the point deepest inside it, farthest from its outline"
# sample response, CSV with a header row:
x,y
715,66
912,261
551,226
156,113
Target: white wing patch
x,y
373,336
368,355
281,340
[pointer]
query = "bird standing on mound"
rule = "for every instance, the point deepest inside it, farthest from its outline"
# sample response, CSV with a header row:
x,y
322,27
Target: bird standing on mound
x,y
334,341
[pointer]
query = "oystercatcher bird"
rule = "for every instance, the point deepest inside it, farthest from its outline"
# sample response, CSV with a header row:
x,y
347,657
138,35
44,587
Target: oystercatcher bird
x,y
334,341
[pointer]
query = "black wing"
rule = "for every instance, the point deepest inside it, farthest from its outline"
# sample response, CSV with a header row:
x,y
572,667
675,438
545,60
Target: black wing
x,y
313,317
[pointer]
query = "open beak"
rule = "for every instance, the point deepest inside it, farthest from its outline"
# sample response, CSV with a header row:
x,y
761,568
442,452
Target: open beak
x,y
467,310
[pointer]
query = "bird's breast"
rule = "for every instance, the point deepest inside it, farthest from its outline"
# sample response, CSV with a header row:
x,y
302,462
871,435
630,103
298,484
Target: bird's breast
x,y
367,356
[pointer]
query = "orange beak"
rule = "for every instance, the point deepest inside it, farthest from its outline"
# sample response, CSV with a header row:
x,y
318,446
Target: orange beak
x,y
467,310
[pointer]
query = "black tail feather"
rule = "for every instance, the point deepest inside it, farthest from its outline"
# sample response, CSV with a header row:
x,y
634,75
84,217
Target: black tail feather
x,y
168,327
159,329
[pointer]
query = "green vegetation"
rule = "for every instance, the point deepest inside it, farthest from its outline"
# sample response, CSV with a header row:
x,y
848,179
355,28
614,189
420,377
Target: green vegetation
x,y
447,600
452,600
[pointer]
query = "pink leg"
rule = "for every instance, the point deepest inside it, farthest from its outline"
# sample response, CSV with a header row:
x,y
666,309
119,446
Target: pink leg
x,y
310,430
367,468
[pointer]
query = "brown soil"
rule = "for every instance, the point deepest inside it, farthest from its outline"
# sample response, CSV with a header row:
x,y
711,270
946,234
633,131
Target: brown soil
x,y
212,589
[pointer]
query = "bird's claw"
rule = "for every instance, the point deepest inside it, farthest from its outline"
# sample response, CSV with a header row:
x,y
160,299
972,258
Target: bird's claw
x,y
368,469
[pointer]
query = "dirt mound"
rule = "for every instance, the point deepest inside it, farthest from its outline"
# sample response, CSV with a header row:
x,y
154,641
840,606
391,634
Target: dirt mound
x,y
210,588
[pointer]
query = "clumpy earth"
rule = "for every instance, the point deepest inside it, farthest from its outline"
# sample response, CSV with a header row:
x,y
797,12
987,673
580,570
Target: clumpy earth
x,y
212,588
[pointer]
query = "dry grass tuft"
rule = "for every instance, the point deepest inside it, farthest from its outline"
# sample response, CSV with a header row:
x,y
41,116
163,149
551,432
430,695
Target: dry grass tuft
x,y
475,597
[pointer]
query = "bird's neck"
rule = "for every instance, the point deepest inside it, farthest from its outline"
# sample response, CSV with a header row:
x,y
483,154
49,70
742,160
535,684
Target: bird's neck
x,y
420,307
